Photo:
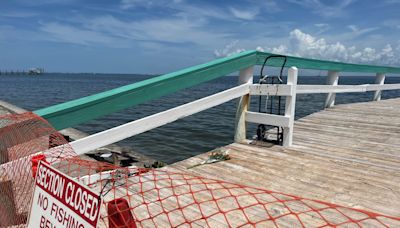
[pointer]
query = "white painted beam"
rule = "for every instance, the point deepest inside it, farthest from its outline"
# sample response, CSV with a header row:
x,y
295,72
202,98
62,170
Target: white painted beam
x,y
245,77
380,80
130,129
383,87
270,90
310,89
290,107
267,119
332,79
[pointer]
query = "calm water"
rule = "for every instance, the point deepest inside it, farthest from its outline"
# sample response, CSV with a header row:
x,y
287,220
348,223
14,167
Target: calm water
x,y
184,138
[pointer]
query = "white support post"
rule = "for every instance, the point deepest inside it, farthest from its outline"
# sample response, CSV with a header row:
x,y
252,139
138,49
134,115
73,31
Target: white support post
x,y
333,79
380,80
290,107
245,77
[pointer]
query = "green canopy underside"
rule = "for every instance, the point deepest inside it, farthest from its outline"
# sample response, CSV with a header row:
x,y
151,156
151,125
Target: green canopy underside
x,y
81,110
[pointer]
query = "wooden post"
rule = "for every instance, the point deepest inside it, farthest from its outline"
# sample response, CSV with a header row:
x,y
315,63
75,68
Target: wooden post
x,y
290,106
333,79
245,77
379,79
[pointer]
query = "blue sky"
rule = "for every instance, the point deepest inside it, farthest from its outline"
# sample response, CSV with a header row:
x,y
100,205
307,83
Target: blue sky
x,y
146,36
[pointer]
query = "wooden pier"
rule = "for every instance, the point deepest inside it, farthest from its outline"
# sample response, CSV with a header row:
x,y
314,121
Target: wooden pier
x,y
344,160
347,155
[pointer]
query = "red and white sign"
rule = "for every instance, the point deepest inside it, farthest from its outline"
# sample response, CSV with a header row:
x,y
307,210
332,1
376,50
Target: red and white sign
x,y
60,201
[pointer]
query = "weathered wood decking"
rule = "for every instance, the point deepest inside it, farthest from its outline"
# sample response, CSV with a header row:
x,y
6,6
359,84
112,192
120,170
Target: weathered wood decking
x,y
348,155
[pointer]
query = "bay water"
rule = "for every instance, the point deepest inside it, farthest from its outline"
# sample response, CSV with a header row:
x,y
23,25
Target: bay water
x,y
184,138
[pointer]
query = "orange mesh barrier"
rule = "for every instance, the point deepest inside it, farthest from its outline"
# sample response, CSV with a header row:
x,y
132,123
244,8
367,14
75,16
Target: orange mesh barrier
x,y
134,197
24,140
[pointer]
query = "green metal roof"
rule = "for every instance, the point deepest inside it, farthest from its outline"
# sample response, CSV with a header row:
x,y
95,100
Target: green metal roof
x,y
87,108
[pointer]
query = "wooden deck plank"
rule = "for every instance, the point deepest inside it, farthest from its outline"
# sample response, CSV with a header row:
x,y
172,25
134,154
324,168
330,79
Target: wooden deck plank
x,y
348,155
295,176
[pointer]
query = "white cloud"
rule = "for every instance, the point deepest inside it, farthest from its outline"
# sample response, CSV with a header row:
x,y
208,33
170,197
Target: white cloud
x,y
45,2
334,9
258,48
228,50
281,49
231,12
392,23
353,28
173,30
69,34
127,4
114,32
358,32
244,14
305,45
270,5
204,12
321,25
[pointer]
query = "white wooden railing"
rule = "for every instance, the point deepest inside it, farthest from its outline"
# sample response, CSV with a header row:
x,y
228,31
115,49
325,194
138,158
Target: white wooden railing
x,y
286,121
159,119
243,91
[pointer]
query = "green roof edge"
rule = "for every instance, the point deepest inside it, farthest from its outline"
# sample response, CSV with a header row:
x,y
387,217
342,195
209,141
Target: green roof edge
x,y
87,108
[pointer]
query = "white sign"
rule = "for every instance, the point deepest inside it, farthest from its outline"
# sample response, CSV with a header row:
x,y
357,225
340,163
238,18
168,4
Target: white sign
x,y
59,201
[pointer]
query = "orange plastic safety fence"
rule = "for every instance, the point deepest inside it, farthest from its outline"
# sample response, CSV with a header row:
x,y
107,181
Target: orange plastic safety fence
x,y
134,197
158,198
24,140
